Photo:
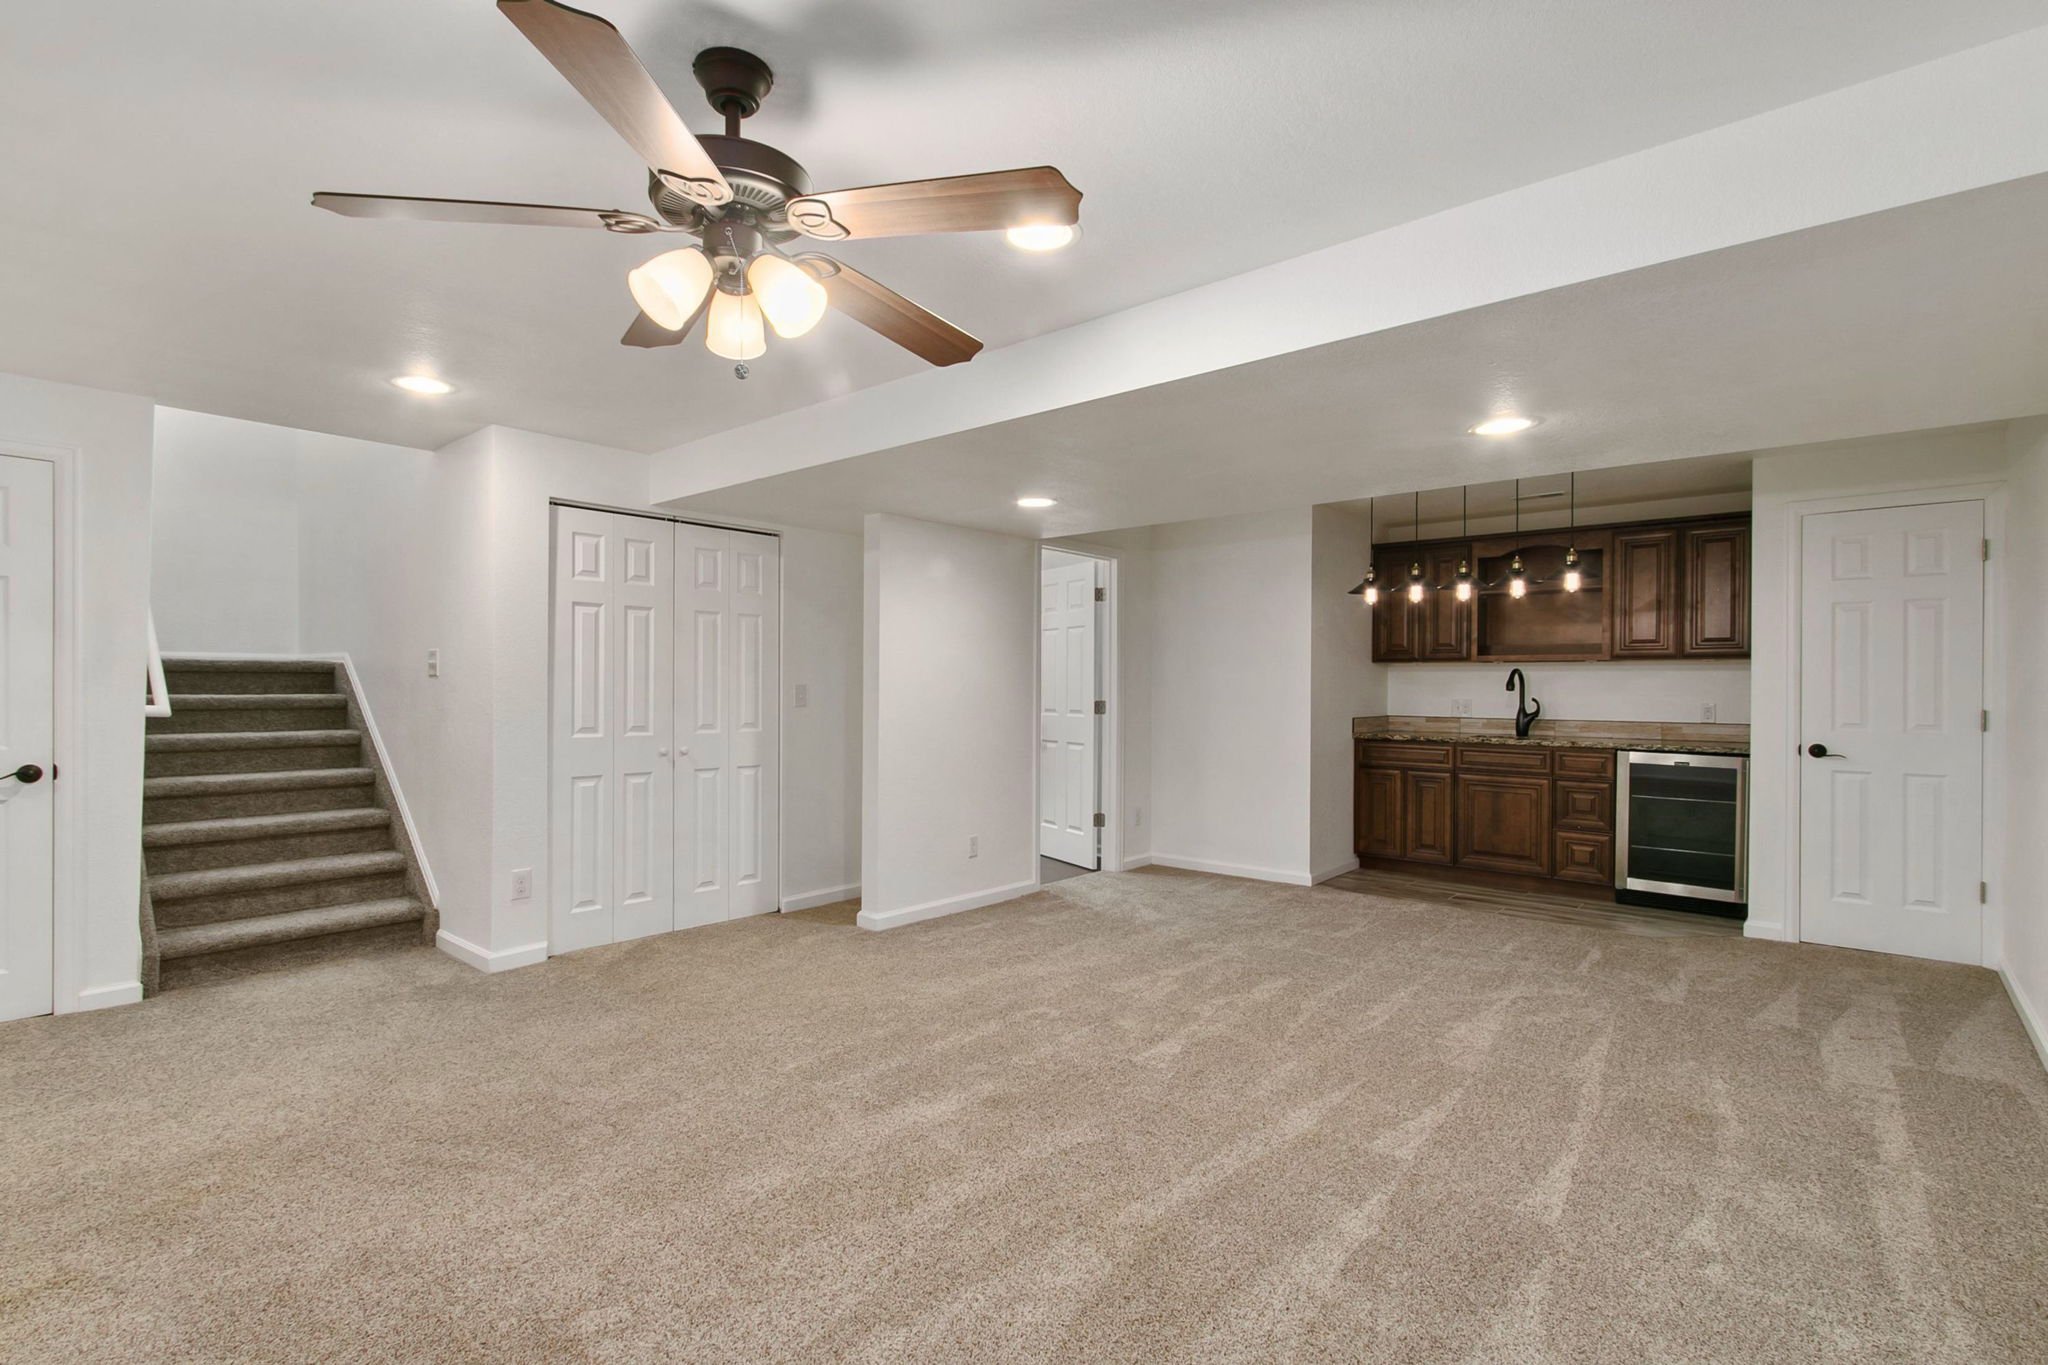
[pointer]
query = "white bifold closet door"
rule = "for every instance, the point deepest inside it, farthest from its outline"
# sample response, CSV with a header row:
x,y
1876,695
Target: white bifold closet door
x,y
666,683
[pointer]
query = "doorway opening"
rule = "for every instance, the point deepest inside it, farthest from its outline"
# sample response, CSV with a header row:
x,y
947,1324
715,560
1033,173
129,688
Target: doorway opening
x,y
1074,682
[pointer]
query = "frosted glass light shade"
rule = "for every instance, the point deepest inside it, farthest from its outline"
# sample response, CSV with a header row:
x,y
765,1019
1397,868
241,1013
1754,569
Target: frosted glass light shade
x,y
670,287
792,300
735,327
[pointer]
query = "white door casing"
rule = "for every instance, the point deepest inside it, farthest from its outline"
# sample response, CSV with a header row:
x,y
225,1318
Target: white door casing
x,y
27,734
1892,687
612,798
1068,730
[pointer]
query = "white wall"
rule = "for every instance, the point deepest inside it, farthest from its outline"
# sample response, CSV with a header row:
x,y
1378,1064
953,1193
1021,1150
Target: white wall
x,y
225,508
949,653
1231,694
2023,876
1344,682
1636,689
103,443
1784,479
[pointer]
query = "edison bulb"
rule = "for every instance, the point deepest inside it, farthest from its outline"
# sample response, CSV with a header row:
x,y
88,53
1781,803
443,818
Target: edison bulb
x,y
1415,592
1518,586
792,300
1371,594
1572,581
670,288
1464,590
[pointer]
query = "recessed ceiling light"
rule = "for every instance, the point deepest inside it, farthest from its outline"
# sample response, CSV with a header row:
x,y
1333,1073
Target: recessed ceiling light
x,y
1037,502
423,383
1503,426
1042,236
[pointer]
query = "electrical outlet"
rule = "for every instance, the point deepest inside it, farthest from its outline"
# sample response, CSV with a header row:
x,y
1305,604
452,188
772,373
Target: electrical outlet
x,y
1709,712
974,845
1137,817
1461,706
433,663
522,883
803,695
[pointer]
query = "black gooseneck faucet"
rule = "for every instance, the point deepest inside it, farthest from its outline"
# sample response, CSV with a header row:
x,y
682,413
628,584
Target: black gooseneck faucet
x,y
1526,711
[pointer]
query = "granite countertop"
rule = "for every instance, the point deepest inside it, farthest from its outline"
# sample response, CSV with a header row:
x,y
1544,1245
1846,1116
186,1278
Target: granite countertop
x,y
1650,736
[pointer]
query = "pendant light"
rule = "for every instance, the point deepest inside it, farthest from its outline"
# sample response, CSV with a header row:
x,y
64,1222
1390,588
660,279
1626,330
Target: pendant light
x,y
1518,580
1368,590
1415,588
1572,579
1464,580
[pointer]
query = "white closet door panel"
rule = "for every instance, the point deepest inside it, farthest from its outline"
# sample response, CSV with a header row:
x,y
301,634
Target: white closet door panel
x,y
27,734
580,905
702,709
755,689
644,795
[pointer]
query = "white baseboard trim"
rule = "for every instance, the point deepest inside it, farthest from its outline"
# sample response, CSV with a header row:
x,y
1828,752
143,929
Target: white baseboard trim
x,y
1136,861
831,895
911,914
1257,874
1768,929
468,954
2030,1018
105,997
1337,870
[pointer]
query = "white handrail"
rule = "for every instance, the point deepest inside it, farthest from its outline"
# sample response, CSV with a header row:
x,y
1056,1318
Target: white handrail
x,y
156,700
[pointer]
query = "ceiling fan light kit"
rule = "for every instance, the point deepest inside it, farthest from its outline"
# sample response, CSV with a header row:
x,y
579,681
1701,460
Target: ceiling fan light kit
x,y
746,202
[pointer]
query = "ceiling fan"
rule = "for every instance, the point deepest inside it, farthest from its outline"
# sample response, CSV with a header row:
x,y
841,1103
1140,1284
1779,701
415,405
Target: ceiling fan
x,y
749,205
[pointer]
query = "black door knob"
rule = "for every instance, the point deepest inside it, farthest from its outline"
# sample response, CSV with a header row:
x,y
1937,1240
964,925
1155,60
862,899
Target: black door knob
x,y
27,772
1816,751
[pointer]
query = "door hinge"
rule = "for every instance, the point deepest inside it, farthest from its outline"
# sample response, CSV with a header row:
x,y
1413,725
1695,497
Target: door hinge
x,y
1983,893
1100,821
1984,721
1102,594
1987,551
1101,708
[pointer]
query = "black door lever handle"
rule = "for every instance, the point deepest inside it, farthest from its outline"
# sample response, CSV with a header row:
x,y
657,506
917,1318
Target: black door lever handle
x,y
1819,751
27,773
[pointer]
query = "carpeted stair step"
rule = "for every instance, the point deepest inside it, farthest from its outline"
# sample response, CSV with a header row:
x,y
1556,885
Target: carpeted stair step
x,y
214,676
192,845
251,751
208,796
197,940
213,713
209,895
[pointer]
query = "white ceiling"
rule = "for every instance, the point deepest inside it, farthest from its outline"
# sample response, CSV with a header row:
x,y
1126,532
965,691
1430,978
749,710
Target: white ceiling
x,y
1925,316
157,237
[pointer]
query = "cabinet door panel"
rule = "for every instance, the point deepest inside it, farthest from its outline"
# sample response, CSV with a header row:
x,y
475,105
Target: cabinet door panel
x,y
1585,858
1396,627
1379,813
1446,622
1717,590
1644,579
1426,817
1503,823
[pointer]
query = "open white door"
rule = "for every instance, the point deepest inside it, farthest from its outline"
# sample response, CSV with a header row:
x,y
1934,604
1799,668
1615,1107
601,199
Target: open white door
x,y
1891,744
1068,772
27,734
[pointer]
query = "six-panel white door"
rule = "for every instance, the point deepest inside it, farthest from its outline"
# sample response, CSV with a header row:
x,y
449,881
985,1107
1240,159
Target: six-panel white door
x,y
1891,747
613,781
1067,727
27,734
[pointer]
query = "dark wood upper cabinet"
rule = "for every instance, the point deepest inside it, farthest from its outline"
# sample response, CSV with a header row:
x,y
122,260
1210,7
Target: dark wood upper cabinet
x,y
1396,627
1644,589
1547,623
1716,574
1446,622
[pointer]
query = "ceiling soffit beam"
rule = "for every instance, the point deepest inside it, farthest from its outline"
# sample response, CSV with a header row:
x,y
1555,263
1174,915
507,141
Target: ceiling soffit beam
x,y
1973,119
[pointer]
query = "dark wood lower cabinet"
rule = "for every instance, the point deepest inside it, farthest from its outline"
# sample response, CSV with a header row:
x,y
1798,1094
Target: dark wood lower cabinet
x,y
1502,810
1504,823
1427,818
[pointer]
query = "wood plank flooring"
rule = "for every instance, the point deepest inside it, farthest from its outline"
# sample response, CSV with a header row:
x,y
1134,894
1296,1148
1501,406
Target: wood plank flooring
x,y
1559,909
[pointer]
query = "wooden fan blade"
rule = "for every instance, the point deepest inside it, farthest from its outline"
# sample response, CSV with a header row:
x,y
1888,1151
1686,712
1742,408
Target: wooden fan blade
x,y
481,211
594,58
879,308
960,203
646,332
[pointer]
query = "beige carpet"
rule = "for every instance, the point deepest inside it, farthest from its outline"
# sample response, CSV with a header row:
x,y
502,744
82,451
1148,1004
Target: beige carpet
x,y
1139,1117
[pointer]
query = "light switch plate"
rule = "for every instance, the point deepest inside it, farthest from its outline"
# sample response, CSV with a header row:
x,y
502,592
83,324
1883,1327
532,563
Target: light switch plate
x,y
1709,712
433,663
522,883
1461,706
974,845
803,695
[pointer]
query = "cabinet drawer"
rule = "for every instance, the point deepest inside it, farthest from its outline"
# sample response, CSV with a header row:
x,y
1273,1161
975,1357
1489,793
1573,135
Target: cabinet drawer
x,y
1585,806
1585,858
1597,764
1402,754
1499,758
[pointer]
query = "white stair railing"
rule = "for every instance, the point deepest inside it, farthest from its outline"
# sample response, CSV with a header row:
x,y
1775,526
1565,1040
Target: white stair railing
x,y
156,699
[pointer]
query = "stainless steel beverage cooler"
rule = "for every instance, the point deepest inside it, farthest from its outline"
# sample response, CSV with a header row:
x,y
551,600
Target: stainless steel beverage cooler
x,y
1681,830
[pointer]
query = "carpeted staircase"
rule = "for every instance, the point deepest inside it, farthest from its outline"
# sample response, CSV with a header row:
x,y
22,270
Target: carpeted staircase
x,y
269,833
